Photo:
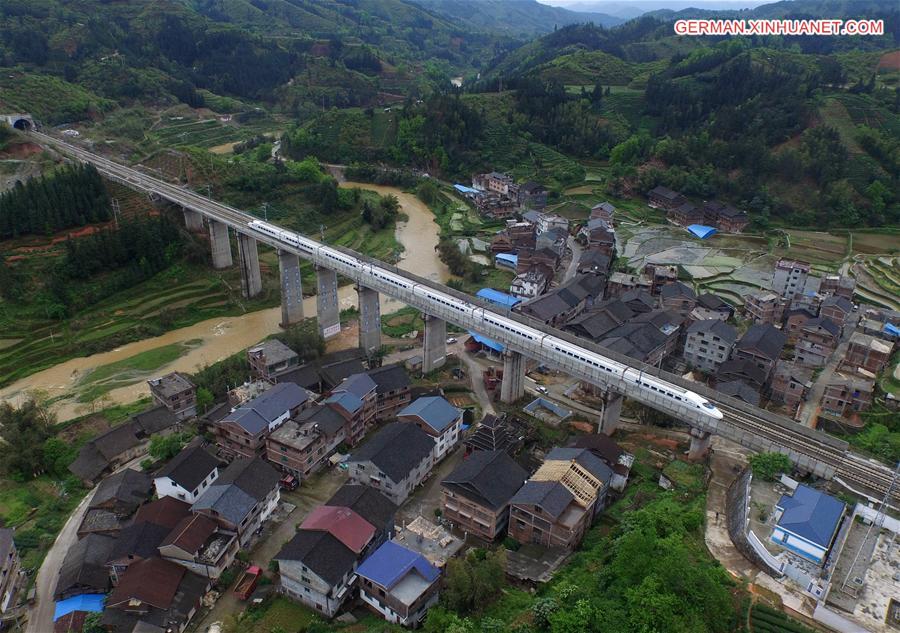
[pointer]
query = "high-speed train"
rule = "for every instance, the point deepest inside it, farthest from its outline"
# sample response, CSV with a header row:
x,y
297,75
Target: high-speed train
x,y
591,361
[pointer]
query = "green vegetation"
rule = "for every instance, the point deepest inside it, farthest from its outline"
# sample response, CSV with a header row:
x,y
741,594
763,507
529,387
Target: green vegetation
x,y
764,619
72,196
768,466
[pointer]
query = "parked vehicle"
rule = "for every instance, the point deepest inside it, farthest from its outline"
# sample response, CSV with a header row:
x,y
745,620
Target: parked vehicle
x,y
289,482
247,582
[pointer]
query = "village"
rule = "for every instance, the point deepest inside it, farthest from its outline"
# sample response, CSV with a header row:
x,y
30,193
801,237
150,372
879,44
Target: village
x,y
348,483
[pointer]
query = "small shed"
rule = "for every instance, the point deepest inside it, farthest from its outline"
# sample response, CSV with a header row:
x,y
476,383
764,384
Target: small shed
x,y
506,260
701,230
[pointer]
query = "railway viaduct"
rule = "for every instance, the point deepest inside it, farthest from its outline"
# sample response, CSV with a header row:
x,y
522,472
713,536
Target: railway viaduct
x,y
759,430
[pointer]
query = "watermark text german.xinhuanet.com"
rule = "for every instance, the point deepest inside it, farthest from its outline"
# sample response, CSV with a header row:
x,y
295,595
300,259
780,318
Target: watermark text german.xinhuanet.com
x,y
779,27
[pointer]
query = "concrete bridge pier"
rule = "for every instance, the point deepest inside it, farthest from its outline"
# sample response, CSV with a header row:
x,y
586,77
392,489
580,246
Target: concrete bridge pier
x,y
327,309
251,281
193,221
513,386
612,409
220,243
291,289
369,320
435,345
700,441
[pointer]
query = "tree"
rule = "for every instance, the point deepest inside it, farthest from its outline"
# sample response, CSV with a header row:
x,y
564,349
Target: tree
x,y
475,580
163,448
428,192
24,430
204,399
57,456
92,624
769,465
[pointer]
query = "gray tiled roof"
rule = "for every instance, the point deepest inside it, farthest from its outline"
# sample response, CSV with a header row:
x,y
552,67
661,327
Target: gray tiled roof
x,y
489,478
329,420
396,449
368,503
764,339
239,487
154,420
359,385
551,496
254,416
84,567
191,466
740,390
390,378
677,289
718,328
124,490
318,550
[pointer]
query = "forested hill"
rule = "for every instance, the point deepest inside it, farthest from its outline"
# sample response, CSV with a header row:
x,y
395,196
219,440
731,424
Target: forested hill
x,y
154,52
517,17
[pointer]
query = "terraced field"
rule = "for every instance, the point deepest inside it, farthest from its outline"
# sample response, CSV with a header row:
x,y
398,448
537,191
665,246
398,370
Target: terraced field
x,y
177,297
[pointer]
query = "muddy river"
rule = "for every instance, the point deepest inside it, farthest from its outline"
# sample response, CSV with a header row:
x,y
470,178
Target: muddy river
x,y
224,336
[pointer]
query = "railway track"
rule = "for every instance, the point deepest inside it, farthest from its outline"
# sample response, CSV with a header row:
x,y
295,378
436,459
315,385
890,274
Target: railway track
x,y
776,430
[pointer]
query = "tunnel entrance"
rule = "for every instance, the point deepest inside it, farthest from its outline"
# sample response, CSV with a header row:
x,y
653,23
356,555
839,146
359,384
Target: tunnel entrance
x,y
22,124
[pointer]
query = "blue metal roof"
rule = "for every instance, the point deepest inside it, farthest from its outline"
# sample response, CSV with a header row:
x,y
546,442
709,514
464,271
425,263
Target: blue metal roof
x,y
892,329
701,230
391,563
435,411
487,342
464,189
507,259
811,515
257,414
90,602
345,399
500,298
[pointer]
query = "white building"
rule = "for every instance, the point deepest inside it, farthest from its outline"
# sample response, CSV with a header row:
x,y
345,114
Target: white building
x,y
789,279
188,474
437,417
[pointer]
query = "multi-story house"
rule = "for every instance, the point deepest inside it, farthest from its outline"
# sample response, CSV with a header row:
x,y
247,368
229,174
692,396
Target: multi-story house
x,y
188,474
724,217
789,279
394,460
317,570
679,298
200,546
710,306
741,369
708,344
604,211
392,390
532,283
790,384
846,395
437,417
532,195
270,358
475,496
356,400
243,432
302,447
867,352
398,584
660,275
556,506
795,320
242,498
176,393
764,308
838,285
817,341
761,345
665,198
836,308
685,214
9,570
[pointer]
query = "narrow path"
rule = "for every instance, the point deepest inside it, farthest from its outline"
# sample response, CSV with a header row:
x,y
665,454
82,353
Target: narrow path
x,y
810,410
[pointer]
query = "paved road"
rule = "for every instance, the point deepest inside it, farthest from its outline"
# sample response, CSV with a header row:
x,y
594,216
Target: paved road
x,y
810,411
40,618
575,247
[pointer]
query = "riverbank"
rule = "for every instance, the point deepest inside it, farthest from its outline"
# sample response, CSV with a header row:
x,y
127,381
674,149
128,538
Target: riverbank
x,y
214,339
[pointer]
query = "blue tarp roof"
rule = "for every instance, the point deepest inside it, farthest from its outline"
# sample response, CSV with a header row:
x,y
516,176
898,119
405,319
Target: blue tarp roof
x,y
500,298
392,562
434,410
90,602
507,258
890,328
464,189
701,230
811,514
494,345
